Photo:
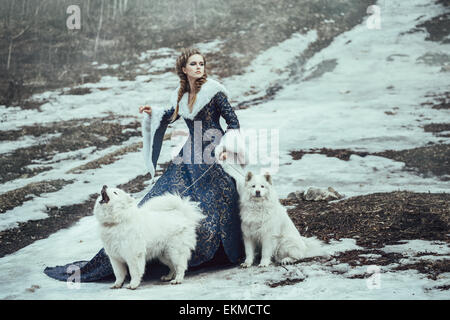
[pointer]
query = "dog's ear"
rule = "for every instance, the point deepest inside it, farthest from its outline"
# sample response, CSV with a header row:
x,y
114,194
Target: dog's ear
x,y
248,176
268,177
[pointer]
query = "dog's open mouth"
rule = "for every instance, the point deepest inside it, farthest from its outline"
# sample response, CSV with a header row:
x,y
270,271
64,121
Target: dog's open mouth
x,y
105,198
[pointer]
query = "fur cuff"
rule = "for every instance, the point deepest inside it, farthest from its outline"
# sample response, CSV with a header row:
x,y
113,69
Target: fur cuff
x,y
232,143
149,126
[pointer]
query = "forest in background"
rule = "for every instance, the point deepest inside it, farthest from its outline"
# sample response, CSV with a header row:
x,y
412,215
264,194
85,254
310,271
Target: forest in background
x,y
39,52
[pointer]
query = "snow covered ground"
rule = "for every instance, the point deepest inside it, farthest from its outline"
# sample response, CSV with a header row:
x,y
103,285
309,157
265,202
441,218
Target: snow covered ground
x,y
22,276
377,70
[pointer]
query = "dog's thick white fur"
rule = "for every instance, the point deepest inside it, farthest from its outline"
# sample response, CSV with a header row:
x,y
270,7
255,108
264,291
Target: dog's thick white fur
x,y
163,228
267,227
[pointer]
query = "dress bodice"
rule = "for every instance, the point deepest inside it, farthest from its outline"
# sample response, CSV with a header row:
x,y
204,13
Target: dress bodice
x,y
204,128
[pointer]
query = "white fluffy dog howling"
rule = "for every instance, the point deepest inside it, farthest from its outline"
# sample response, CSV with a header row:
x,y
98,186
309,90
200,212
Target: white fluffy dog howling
x,y
266,225
163,228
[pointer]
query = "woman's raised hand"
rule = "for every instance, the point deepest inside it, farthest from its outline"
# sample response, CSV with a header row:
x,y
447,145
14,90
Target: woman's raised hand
x,y
146,109
223,156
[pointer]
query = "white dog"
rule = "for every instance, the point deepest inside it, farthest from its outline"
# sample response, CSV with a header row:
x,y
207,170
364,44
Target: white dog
x,y
266,225
164,228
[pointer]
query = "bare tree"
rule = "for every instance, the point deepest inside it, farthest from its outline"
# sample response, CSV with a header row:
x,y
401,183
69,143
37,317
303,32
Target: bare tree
x,y
195,4
10,37
114,9
98,30
87,7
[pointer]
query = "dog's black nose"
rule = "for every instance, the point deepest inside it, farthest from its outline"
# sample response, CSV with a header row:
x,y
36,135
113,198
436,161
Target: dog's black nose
x,y
258,193
105,198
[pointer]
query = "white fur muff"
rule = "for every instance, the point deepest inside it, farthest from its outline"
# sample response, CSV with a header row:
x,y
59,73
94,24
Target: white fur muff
x,y
163,228
266,226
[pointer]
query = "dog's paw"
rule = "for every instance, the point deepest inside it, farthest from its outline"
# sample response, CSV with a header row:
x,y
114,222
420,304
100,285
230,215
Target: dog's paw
x,y
264,264
175,281
116,286
133,286
166,278
246,265
286,261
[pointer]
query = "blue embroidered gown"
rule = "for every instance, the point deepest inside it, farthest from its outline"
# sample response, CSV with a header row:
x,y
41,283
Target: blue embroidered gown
x,y
211,184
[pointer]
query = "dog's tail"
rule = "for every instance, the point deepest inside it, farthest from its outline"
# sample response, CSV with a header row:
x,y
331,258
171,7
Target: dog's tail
x,y
314,247
190,209
173,202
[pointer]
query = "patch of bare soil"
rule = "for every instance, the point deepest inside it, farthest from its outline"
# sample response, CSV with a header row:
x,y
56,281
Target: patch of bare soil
x,y
439,100
73,135
443,288
114,156
26,233
17,197
375,220
286,282
438,28
433,269
437,128
342,154
107,159
368,257
427,161
78,91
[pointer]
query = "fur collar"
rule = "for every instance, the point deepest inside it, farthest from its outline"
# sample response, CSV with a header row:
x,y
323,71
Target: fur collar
x,y
204,96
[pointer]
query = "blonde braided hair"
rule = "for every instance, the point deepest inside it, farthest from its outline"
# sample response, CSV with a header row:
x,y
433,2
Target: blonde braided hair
x,y
184,83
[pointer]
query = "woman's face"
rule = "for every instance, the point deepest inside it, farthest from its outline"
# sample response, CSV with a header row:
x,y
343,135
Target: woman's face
x,y
195,67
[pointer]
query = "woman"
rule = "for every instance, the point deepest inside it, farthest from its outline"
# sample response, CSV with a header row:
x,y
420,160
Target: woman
x,y
196,172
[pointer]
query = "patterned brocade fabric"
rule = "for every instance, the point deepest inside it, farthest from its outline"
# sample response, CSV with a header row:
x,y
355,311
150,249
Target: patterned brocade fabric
x,y
214,189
